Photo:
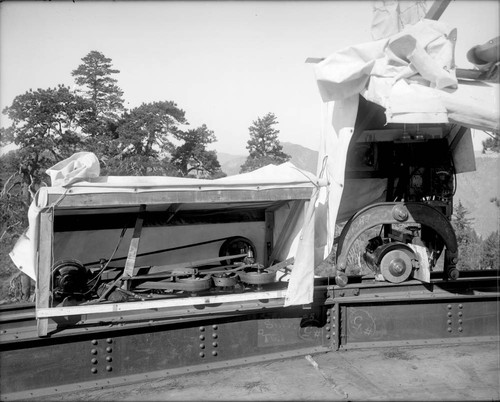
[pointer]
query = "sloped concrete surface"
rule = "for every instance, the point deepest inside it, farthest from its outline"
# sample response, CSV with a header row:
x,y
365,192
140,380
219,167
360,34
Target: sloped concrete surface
x,y
435,373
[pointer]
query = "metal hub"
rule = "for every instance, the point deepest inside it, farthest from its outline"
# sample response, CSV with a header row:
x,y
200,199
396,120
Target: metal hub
x,y
396,266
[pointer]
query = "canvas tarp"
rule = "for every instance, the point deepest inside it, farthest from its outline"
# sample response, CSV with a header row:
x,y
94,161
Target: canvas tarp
x,y
79,174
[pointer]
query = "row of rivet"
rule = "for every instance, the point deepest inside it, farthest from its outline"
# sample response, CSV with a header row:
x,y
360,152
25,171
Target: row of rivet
x,y
450,315
94,352
330,326
202,337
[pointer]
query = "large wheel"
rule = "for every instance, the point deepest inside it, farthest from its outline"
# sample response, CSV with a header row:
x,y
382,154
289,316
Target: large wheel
x,y
236,245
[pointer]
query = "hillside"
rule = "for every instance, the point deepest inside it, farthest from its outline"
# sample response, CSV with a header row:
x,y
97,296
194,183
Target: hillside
x,y
474,189
302,157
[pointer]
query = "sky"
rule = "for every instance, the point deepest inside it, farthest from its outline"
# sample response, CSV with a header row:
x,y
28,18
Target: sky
x,y
225,63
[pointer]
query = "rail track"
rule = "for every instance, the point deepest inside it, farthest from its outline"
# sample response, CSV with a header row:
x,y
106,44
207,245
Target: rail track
x,y
112,349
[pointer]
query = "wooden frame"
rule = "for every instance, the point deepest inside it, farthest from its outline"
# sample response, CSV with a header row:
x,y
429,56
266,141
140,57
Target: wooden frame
x,y
278,197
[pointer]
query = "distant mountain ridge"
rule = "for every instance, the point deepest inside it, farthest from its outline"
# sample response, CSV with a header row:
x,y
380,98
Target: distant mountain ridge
x,y
474,189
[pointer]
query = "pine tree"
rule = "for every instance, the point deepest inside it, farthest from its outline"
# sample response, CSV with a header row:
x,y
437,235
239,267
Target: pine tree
x,y
263,146
469,243
490,253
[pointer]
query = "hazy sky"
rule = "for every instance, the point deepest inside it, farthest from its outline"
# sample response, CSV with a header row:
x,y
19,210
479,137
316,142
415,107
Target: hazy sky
x,y
225,63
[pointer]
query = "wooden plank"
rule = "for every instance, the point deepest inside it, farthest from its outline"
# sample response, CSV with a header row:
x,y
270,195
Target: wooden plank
x,y
100,200
156,304
44,264
134,243
437,9
291,219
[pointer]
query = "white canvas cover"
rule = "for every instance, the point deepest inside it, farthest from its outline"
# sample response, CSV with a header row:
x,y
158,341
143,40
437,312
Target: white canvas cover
x,y
79,174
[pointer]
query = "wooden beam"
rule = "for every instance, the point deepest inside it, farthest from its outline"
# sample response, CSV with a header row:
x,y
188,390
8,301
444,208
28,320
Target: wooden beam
x,y
157,304
43,269
99,200
134,243
437,9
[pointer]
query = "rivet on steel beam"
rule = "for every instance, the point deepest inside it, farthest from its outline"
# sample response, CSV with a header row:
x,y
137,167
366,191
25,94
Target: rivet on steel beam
x,y
328,320
449,306
460,306
333,325
215,327
93,341
215,344
93,351
93,361
460,314
327,328
215,336
202,346
214,353
449,329
109,359
460,329
109,368
449,322
93,370
109,340
202,337
328,312
109,349
449,314
328,336
460,321
202,354
202,329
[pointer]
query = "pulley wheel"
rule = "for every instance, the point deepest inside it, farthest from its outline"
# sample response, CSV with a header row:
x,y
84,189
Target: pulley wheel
x,y
225,280
236,245
195,284
255,277
396,266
